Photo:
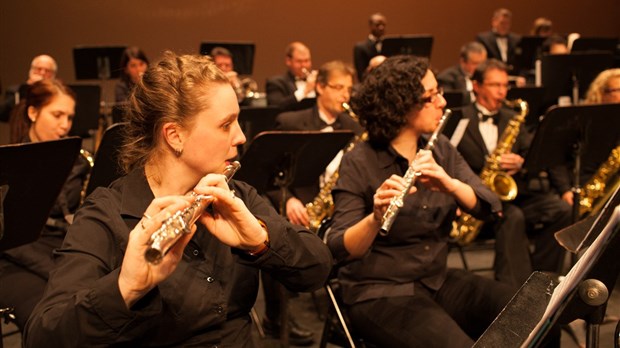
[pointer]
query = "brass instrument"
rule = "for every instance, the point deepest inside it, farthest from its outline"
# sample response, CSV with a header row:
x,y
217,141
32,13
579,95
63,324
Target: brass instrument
x,y
180,222
466,228
597,190
397,202
91,162
322,206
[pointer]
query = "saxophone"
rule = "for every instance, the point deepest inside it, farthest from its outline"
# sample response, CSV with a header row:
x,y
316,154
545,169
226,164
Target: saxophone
x,y
322,206
597,190
466,228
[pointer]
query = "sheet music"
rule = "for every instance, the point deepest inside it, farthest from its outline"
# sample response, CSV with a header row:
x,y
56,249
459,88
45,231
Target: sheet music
x,y
576,274
458,132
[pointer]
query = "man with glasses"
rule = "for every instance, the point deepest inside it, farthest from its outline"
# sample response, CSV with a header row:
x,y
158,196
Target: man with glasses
x,y
288,90
397,288
535,210
334,83
42,67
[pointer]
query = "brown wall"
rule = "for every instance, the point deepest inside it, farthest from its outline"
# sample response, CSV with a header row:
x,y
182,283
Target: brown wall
x,y
330,28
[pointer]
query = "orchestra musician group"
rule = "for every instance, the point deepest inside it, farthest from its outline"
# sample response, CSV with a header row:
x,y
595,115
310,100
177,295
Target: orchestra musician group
x,y
181,134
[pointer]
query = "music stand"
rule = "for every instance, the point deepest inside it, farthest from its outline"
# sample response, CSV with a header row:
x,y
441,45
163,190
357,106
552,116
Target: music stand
x,y
107,166
527,51
242,54
97,63
254,120
585,133
86,120
289,159
417,45
26,198
583,293
589,44
571,74
456,98
535,97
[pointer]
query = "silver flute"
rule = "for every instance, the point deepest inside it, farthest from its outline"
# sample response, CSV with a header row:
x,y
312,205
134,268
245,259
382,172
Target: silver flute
x,y
180,222
397,201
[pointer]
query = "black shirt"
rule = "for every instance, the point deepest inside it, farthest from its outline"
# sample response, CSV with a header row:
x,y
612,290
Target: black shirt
x,y
416,248
205,301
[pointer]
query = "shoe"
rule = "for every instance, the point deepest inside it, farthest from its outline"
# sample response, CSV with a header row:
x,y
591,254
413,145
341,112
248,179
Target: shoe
x,y
297,335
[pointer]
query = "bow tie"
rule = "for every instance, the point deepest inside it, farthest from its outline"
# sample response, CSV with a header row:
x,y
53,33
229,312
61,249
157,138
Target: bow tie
x,y
485,118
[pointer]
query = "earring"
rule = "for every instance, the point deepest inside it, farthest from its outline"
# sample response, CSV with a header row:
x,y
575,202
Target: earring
x,y
178,152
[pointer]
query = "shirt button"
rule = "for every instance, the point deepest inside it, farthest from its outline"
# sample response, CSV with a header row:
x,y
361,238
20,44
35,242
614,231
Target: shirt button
x,y
195,252
427,248
219,309
210,279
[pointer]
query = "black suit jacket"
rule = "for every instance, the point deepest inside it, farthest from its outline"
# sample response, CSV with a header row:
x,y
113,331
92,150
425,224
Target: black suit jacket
x,y
281,91
308,120
363,51
472,145
452,79
487,38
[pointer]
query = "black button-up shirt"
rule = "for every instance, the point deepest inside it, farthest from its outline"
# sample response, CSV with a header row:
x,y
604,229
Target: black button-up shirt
x,y
416,248
205,301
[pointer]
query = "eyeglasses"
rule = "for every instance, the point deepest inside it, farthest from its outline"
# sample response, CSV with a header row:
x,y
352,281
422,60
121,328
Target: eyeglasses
x,y
41,69
612,90
434,96
339,87
496,85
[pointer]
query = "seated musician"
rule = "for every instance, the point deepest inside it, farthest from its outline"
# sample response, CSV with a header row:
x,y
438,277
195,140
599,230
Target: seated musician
x,y
182,131
541,210
45,114
333,88
398,288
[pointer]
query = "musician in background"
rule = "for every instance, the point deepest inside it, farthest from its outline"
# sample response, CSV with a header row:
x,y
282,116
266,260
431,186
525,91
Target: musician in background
x,y
42,67
398,288
182,131
500,42
45,115
223,59
133,65
364,51
287,90
458,77
604,89
543,212
333,88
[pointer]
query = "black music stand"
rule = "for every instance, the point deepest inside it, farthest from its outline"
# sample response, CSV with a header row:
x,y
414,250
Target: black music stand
x,y
86,110
590,44
97,63
535,98
107,166
541,302
254,120
456,98
417,45
289,159
578,137
26,198
242,54
528,50
571,74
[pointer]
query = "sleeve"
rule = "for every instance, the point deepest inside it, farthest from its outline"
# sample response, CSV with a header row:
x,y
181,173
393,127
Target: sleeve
x,y
82,304
351,202
297,258
277,94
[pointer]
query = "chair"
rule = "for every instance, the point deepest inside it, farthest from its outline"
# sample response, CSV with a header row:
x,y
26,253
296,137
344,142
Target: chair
x,y
337,326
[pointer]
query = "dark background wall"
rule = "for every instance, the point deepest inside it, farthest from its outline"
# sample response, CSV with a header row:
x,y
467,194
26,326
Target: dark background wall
x,y
330,28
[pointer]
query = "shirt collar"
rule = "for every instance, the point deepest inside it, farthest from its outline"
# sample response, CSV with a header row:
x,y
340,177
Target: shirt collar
x,y
136,194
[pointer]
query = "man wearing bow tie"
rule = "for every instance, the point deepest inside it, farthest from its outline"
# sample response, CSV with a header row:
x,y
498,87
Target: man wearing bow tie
x,y
543,213
364,51
288,90
499,42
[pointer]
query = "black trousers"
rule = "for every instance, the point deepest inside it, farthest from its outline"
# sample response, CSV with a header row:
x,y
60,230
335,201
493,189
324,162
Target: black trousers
x,y
453,316
512,264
